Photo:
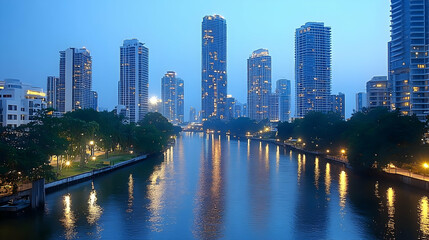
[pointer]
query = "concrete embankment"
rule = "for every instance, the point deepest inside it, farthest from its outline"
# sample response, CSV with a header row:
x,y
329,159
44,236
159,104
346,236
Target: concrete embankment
x,y
52,186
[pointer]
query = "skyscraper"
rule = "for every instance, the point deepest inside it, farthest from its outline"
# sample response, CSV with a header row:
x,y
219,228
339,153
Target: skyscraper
x,y
259,84
408,57
134,79
94,100
192,115
230,107
273,107
75,82
51,92
312,68
213,67
338,104
361,101
377,91
283,90
180,108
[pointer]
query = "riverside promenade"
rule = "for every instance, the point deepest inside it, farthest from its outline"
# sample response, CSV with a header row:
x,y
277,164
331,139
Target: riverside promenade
x,y
392,173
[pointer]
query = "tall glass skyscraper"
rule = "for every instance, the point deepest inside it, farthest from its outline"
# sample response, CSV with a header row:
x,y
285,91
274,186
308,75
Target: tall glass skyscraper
x,y
51,92
75,81
408,57
213,67
259,84
180,114
313,68
133,84
283,90
173,96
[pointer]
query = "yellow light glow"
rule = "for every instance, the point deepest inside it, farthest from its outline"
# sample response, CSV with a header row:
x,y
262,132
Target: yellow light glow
x,y
68,163
343,151
153,100
425,165
328,151
93,158
91,142
30,92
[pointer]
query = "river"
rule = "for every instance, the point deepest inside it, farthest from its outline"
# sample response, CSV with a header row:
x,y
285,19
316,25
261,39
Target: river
x,y
211,187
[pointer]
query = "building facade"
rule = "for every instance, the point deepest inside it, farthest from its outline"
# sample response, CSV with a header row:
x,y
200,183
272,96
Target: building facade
x,y
259,85
133,85
312,68
94,100
173,97
284,91
213,67
338,104
192,115
273,107
361,101
408,57
377,91
180,108
75,81
19,103
51,92
230,107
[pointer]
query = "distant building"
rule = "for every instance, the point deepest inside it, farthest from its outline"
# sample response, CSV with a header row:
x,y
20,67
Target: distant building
x,y
283,90
155,105
121,110
244,112
313,68
273,107
377,91
361,101
94,100
169,95
192,115
75,81
19,103
338,104
238,110
259,84
52,92
213,64
230,107
180,108
133,84
408,58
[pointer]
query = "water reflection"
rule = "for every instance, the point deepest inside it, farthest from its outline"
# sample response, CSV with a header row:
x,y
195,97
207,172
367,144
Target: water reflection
x,y
342,190
68,219
316,172
299,167
210,196
328,180
424,216
94,210
277,158
130,193
391,212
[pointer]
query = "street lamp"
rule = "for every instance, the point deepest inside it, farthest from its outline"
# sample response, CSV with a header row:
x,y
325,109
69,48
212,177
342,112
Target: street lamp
x,y
91,143
68,163
328,151
426,166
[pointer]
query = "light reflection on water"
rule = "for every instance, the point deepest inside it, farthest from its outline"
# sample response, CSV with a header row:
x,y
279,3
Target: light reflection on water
x,y
204,188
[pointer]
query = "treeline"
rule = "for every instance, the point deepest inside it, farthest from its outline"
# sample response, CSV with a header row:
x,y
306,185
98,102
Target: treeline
x,y
25,151
370,139
239,126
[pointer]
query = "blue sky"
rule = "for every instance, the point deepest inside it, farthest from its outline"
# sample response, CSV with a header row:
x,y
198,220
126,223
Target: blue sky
x,y
33,32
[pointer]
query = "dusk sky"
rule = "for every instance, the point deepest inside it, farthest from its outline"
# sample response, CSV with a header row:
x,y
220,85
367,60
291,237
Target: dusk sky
x,y
33,33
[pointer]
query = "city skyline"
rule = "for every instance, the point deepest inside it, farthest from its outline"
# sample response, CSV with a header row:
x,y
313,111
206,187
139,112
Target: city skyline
x,y
242,39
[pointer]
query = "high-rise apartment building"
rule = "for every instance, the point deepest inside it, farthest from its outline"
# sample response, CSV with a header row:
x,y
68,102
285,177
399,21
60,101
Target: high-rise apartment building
x,y
51,92
180,108
338,104
259,84
408,57
361,101
94,100
192,115
313,68
273,107
213,67
173,96
133,85
283,90
377,91
230,107
75,81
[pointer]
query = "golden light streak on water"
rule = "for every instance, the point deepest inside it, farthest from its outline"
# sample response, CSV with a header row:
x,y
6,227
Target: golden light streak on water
x,y
391,212
277,158
130,193
342,189
316,172
328,179
424,216
299,167
68,219
94,210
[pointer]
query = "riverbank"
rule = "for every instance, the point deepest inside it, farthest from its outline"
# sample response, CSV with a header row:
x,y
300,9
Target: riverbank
x,y
397,174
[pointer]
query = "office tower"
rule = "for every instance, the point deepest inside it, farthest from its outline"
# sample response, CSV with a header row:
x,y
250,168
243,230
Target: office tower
x,y
19,103
361,101
259,84
244,112
283,90
338,104
273,107
75,82
213,67
377,92
180,108
169,95
312,68
134,79
230,107
51,92
192,115
238,109
94,100
408,57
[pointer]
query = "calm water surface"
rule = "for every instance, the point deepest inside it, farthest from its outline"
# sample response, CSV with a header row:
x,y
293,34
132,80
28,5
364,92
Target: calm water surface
x,y
211,187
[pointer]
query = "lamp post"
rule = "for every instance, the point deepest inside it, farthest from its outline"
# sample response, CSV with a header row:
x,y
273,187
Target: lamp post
x,y
91,144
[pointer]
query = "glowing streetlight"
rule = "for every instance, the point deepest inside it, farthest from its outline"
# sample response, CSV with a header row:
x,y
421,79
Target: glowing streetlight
x,y
328,151
299,139
93,158
91,142
68,163
343,151
425,165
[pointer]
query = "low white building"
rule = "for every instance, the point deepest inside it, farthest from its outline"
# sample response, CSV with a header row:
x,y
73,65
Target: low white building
x,y
19,103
